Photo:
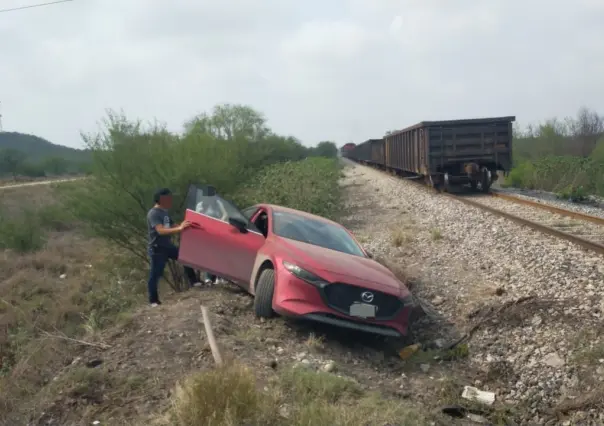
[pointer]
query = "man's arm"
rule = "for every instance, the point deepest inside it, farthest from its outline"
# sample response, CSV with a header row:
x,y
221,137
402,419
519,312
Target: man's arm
x,y
162,230
157,222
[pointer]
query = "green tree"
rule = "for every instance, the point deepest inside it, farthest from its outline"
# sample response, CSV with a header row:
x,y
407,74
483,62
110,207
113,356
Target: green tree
x,y
325,149
11,160
55,166
230,122
31,169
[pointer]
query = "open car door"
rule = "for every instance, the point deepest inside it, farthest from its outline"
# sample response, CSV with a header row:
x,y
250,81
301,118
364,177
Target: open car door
x,y
221,239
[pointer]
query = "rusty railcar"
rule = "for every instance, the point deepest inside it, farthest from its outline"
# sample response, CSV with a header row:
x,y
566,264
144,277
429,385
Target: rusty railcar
x,y
453,152
378,152
363,151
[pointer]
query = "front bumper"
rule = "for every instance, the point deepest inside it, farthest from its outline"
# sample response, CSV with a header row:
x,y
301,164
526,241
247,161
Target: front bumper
x,y
297,298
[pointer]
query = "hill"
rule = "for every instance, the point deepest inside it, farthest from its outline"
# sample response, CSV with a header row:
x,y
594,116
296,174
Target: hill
x,y
38,149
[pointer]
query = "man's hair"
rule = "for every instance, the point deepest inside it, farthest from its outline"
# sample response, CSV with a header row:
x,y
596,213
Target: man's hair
x,y
160,193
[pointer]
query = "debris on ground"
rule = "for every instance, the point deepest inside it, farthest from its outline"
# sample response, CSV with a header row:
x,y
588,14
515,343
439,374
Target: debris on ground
x,y
474,394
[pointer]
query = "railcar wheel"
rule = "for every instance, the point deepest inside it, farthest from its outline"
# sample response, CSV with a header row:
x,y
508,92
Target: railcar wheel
x,y
486,180
447,184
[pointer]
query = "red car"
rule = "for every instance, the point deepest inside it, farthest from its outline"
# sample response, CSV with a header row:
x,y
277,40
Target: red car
x,y
295,264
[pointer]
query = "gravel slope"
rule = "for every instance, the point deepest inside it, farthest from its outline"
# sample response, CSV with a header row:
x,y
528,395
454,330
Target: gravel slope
x,y
537,353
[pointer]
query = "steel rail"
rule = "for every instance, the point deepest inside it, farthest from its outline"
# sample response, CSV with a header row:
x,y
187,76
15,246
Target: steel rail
x,y
589,245
550,208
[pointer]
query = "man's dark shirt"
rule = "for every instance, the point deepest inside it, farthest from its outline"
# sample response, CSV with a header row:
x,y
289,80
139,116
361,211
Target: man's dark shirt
x,y
158,216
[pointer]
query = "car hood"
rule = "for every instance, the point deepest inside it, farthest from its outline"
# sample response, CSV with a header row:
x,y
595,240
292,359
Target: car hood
x,y
344,267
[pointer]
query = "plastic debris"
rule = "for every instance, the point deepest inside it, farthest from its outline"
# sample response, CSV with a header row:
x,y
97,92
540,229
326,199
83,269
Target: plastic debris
x,y
408,351
474,394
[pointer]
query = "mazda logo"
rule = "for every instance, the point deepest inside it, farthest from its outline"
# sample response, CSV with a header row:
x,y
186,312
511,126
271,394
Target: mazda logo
x,y
367,296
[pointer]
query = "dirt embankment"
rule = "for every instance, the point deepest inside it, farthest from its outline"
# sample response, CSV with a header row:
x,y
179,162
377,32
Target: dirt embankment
x,y
128,374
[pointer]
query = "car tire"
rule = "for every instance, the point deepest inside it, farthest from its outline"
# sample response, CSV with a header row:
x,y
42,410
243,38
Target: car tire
x,y
265,288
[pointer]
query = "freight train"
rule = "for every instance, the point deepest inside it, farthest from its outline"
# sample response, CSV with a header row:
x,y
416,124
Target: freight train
x,y
444,153
346,148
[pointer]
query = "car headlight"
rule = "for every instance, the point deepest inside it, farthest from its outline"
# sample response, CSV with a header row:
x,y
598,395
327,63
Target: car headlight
x,y
304,275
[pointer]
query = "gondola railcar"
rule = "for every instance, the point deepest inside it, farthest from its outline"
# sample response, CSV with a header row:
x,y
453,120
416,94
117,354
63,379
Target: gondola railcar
x,y
450,153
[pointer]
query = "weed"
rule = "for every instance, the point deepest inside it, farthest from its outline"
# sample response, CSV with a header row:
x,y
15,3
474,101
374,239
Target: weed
x,y
314,343
400,236
224,396
435,234
297,397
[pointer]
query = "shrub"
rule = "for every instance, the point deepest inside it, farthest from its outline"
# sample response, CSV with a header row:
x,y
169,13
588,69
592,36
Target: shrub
x,y
572,193
310,185
226,149
224,396
566,157
23,233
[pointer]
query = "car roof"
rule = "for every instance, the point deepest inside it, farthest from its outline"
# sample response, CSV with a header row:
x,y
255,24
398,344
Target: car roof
x,y
299,213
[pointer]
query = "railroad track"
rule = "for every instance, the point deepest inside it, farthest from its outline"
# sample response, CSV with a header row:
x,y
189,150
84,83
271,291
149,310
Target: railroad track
x,y
584,230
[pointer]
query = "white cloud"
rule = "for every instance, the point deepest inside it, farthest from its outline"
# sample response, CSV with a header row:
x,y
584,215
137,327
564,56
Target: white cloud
x,y
347,69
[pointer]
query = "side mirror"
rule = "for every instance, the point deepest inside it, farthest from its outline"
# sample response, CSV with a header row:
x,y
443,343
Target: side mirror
x,y
240,225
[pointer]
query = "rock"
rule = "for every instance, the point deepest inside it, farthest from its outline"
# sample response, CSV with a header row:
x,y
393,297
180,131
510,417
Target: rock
x,y
536,321
424,367
438,301
553,360
329,367
63,276
284,411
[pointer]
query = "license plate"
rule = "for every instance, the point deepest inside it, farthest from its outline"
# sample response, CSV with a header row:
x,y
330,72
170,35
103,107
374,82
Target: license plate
x,y
362,310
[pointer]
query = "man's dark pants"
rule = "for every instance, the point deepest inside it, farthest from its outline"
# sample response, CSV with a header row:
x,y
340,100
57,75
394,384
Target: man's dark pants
x,y
159,257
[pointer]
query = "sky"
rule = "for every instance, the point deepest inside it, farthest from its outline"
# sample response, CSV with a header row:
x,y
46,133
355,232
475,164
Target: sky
x,y
340,70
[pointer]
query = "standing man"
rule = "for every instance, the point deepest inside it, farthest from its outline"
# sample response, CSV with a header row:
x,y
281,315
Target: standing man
x,y
161,229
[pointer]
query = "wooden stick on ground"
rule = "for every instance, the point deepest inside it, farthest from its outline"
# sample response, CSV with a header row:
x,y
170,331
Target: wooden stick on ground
x,y
210,333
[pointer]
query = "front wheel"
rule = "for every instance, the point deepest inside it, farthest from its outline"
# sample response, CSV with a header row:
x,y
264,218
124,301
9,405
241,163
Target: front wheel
x,y
265,289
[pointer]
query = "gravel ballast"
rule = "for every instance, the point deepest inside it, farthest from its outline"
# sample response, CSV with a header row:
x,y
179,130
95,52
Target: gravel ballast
x,y
537,354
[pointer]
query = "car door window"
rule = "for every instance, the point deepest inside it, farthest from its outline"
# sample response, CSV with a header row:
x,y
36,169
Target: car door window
x,y
260,219
215,206
249,212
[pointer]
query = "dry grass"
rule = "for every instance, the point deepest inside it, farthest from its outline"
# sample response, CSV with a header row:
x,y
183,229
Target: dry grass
x,y
225,396
403,233
401,236
229,396
56,285
315,343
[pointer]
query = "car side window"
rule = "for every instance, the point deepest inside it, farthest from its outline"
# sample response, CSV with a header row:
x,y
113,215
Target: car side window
x,y
249,212
216,207
234,213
